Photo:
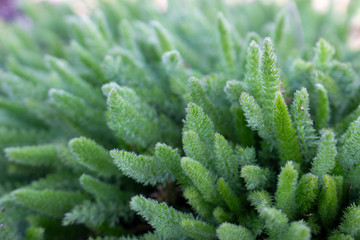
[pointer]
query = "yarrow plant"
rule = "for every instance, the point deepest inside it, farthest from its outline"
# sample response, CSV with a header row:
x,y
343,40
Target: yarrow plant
x,y
137,123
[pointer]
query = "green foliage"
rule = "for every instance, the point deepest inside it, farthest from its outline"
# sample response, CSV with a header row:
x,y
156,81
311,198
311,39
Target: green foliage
x,y
35,233
303,124
92,156
201,178
232,201
324,162
170,159
276,222
228,231
253,77
285,195
323,54
194,147
255,177
227,163
299,231
270,78
253,114
201,124
340,236
133,98
307,192
51,203
126,113
166,220
132,165
197,229
197,202
328,201
45,155
226,44
101,190
288,143
62,100
222,215
350,222
99,213
323,109
349,151
260,200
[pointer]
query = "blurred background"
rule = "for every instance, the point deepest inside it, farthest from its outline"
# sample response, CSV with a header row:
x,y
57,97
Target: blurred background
x,y
9,12
319,5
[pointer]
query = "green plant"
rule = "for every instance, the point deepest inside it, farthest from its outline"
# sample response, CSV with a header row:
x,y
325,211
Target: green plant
x,y
99,122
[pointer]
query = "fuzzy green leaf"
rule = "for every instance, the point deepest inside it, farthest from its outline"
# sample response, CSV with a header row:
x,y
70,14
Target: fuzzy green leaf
x,y
231,200
43,155
339,180
255,177
287,140
221,215
285,195
298,231
169,160
126,112
73,83
226,43
166,220
322,115
246,155
254,115
89,60
336,235
227,164
95,214
324,162
200,123
270,79
101,190
260,200
197,202
233,90
253,77
163,37
324,53
198,230
279,28
303,124
202,179
143,169
350,223
328,201
93,156
48,202
349,153
243,133
194,148
276,222
307,192
227,231
77,111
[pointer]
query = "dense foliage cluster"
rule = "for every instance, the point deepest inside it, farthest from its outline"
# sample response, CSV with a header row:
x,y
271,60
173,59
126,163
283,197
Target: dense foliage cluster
x,y
204,121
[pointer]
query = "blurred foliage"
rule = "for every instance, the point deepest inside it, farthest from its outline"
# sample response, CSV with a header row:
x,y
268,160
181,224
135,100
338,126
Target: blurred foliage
x,y
260,137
